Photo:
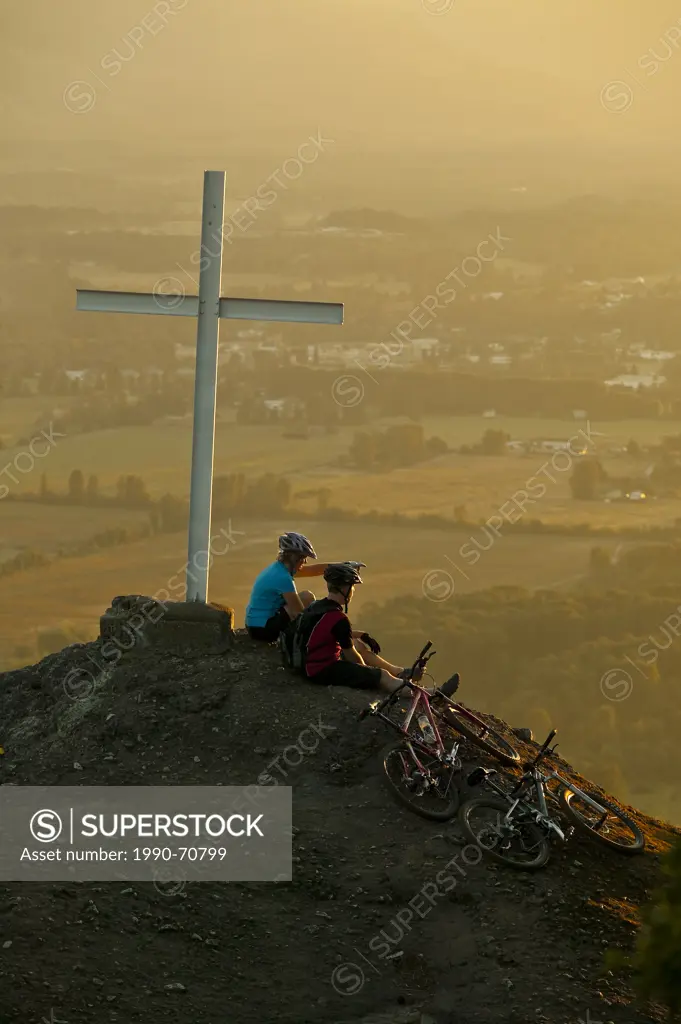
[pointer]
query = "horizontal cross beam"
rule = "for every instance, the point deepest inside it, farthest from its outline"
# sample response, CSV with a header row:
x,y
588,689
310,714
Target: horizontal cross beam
x,y
273,310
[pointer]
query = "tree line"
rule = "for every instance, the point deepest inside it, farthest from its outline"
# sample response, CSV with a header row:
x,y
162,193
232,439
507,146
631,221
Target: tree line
x,y
404,444
434,391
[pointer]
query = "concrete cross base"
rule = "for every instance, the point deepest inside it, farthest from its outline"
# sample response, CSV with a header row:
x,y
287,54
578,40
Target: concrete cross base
x,y
185,628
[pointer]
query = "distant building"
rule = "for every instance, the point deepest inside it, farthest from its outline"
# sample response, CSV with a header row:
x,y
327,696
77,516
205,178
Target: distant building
x,y
655,354
554,445
546,445
636,380
423,346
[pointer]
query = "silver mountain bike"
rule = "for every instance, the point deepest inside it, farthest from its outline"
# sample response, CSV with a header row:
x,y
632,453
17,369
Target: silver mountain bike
x,y
516,826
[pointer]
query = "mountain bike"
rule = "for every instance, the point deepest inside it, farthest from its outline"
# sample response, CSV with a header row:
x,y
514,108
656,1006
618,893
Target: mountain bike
x,y
427,783
418,768
519,829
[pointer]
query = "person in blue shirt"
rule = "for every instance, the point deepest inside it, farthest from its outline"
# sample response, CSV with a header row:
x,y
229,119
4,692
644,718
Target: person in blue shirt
x,y
274,600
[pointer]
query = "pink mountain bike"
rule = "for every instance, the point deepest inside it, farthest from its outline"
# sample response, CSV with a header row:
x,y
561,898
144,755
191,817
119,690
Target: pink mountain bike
x,y
420,770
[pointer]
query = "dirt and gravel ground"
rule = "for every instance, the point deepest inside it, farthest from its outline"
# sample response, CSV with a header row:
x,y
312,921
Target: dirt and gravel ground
x,y
335,945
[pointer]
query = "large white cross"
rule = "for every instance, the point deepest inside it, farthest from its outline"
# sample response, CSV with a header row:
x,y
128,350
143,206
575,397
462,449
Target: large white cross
x,y
209,308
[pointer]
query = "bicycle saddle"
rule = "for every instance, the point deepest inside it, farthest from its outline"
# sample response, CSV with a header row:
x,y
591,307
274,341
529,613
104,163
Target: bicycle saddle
x,y
451,686
478,775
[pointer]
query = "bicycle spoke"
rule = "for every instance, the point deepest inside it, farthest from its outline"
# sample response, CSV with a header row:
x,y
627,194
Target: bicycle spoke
x,y
515,840
427,786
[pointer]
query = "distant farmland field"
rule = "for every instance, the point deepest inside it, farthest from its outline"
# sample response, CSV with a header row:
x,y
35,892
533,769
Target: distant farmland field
x,y
74,592
17,416
457,430
161,455
481,486
46,528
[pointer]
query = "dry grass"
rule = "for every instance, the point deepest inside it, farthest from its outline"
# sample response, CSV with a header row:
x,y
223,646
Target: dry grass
x,y
47,527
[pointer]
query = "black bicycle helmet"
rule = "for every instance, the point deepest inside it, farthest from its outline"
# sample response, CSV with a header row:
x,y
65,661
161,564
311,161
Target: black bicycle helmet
x,y
341,576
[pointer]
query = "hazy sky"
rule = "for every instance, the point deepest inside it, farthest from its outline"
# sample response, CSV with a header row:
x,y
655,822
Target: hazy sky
x,y
381,73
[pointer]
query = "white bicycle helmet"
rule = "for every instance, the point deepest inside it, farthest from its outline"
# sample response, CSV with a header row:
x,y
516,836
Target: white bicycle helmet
x,y
296,543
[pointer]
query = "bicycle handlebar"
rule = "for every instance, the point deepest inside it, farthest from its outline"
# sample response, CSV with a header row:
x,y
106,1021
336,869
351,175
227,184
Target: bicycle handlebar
x,y
421,660
549,738
424,651
544,748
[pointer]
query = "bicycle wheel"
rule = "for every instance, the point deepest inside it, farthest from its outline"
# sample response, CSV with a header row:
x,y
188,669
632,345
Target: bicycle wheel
x,y
475,730
518,843
432,793
605,823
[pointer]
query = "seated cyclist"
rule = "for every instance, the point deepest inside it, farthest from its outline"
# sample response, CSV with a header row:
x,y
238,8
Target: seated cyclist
x,y
274,600
337,654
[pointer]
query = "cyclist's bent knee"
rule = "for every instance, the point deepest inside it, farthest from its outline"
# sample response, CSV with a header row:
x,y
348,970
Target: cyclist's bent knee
x,y
389,682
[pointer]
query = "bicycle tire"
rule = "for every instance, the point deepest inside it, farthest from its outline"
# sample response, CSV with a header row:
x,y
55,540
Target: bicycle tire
x,y
541,842
500,748
413,801
565,798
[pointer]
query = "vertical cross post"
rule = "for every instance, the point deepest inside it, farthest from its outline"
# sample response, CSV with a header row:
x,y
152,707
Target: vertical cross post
x,y
205,386
209,308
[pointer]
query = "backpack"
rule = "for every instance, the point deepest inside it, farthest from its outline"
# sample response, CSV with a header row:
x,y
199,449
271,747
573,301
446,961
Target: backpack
x,y
294,639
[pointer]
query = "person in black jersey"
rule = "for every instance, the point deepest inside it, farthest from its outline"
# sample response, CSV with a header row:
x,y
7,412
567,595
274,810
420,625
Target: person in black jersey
x,y
335,653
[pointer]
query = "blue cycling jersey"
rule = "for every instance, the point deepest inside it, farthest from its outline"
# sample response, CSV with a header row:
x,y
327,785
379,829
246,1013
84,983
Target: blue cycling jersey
x,y
267,595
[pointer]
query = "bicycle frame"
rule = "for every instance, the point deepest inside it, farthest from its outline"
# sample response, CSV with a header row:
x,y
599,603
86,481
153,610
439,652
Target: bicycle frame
x,y
522,794
438,750
530,793
420,697
576,790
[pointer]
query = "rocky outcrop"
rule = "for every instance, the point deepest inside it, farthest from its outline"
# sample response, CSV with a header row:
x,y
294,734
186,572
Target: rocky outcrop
x,y
351,938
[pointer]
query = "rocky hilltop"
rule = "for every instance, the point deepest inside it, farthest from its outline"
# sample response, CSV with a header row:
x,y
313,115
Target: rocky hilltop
x,y
338,943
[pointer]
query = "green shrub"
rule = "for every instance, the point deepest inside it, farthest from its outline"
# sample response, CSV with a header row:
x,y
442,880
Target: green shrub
x,y
657,956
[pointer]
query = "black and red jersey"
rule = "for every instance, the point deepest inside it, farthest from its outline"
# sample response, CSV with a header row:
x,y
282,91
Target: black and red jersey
x,y
330,634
